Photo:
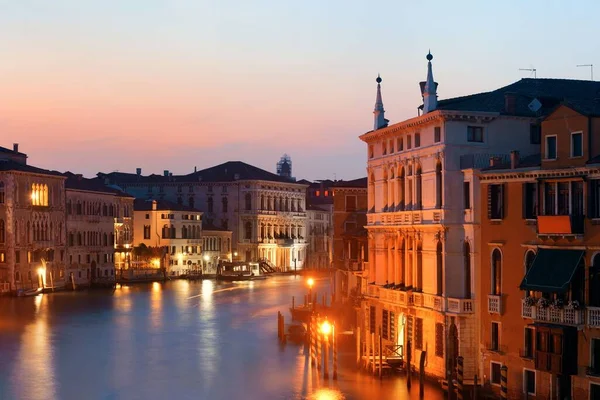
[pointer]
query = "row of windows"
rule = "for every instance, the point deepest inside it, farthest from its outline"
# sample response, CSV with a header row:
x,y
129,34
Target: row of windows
x,y
91,239
95,208
529,384
36,231
576,146
274,231
169,232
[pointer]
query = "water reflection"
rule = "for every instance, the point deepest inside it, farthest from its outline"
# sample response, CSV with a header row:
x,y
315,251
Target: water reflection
x,y
196,340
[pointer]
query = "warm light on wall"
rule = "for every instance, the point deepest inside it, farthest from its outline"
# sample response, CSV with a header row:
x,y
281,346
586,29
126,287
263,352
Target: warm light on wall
x,y
39,195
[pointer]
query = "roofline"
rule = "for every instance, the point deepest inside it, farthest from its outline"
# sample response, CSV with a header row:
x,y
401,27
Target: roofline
x,y
49,174
93,191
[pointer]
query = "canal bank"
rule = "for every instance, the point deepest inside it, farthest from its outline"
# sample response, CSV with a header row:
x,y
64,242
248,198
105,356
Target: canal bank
x,y
179,339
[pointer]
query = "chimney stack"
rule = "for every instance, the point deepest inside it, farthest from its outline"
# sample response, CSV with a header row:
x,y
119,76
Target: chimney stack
x,y
514,159
138,171
16,147
195,169
153,205
495,161
510,102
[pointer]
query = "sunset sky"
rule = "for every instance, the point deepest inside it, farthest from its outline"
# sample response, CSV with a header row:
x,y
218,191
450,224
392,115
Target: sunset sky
x,y
92,86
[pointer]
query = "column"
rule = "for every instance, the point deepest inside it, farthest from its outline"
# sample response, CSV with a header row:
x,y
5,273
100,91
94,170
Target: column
x,y
371,260
399,193
391,195
389,266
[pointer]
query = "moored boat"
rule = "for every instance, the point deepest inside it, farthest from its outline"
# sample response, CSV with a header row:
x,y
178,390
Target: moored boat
x,y
28,293
239,271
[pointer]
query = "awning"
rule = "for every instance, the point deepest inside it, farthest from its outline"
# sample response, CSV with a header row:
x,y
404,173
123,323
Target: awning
x,y
552,270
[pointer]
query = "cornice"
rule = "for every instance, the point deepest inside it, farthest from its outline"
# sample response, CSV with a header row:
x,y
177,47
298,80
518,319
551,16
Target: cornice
x,y
516,175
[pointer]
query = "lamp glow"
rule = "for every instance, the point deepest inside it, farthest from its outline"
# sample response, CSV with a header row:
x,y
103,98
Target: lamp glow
x,y
310,282
326,328
206,258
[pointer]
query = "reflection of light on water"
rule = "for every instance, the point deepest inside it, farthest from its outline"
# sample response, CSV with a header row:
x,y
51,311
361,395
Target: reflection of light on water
x,y
156,305
156,287
34,375
327,394
37,300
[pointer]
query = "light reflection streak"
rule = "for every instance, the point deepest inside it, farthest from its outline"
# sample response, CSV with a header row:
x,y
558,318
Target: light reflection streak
x,y
156,306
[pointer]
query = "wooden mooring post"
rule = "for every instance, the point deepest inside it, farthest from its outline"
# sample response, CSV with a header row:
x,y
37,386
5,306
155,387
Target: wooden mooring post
x,y
408,359
459,380
422,372
335,350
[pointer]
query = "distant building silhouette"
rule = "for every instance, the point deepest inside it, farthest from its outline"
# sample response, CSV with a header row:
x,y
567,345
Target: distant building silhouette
x,y
284,167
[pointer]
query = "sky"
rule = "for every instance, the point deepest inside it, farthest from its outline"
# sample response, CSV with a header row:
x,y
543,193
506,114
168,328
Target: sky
x,y
113,85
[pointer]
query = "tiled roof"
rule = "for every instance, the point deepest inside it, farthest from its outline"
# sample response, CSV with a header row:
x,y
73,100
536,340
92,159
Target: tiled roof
x,y
354,183
550,92
161,205
10,151
77,182
227,172
10,165
534,160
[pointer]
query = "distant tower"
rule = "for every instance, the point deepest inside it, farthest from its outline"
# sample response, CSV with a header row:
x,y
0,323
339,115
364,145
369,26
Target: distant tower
x,y
284,167
429,89
379,112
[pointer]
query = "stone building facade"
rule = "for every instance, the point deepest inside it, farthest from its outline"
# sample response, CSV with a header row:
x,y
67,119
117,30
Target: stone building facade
x,y
265,212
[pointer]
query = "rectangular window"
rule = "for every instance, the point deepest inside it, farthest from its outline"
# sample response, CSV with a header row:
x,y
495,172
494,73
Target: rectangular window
x,y
437,134
535,134
495,201
495,337
392,326
417,139
419,333
17,256
495,375
530,199
384,148
475,134
529,382
467,195
563,198
576,198
550,147
595,356
371,151
549,198
408,142
384,324
439,340
594,391
576,144
147,216
372,319
391,146
146,231
528,343
400,144
350,203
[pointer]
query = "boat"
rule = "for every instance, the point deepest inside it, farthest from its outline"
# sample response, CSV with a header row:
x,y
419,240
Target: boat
x,y
28,293
297,332
301,313
239,271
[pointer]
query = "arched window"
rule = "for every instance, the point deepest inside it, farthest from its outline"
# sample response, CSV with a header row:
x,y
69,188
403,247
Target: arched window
x,y
439,268
438,185
191,202
248,201
2,231
371,194
400,189
287,204
184,232
418,188
248,230
2,198
173,232
496,272
209,204
165,231
225,204
385,203
419,266
467,274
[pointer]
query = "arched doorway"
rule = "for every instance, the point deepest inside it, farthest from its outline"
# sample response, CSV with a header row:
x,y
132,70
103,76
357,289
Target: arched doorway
x,y
452,350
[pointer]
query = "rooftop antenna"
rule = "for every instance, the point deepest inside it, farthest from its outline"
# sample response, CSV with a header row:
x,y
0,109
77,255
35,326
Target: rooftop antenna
x,y
591,68
532,70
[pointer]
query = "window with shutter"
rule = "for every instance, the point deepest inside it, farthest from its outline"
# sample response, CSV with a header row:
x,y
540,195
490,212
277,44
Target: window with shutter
x,y
384,324
419,334
496,202
439,339
392,326
372,319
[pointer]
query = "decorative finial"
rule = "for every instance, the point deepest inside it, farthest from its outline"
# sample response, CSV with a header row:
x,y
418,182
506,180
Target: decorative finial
x,y
429,56
378,80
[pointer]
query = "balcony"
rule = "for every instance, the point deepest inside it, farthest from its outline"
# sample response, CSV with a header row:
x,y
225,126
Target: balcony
x,y
593,317
460,306
395,297
562,316
433,302
373,291
494,304
560,225
414,217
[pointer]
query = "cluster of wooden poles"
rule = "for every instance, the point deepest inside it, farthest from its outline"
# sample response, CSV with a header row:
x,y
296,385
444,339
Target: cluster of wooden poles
x,y
320,331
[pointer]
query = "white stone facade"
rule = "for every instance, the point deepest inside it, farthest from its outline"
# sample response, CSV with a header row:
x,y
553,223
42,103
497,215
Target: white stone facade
x,y
320,236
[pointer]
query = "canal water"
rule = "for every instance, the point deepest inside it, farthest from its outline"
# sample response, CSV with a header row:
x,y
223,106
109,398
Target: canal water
x,y
174,340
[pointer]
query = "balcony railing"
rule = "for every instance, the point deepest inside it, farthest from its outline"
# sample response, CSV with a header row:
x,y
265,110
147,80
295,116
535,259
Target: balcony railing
x,y
434,302
593,317
564,316
373,291
494,304
460,306
395,297
392,217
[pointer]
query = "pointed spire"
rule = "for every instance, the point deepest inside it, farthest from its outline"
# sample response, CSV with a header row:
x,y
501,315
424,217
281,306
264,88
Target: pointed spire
x,y
379,112
429,88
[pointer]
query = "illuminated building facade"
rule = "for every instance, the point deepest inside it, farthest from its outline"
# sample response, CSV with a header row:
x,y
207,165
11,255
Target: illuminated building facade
x,y
32,224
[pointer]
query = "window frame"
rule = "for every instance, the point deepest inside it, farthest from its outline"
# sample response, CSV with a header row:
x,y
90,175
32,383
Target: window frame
x,y
546,154
471,137
437,134
492,373
346,203
572,147
400,144
497,347
417,140
467,195
525,371
528,352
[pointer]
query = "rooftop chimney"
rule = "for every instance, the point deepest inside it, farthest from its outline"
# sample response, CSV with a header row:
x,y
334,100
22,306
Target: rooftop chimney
x,y
138,171
510,102
166,172
153,205
514,159
495,161
195,169
16,147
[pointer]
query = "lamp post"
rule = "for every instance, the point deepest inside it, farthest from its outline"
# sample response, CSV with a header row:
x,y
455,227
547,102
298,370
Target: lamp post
x,y
326,330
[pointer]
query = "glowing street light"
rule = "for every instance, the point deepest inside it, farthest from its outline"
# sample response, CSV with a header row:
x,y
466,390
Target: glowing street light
x,y
206,258
326,328
42,274
310,282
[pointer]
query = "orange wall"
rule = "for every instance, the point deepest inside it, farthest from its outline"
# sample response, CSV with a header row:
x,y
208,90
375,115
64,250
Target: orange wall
x,y
561,123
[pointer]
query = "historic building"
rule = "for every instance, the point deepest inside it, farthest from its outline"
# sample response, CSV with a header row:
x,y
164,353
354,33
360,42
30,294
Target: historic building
x,y
173,228
319,236
540,261
350,247
32,224
99,229
423,232
216,247
265,212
